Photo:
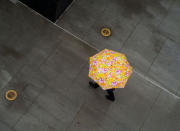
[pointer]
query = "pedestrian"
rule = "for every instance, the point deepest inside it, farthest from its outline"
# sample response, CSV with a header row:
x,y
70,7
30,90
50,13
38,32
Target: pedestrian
x,y
109,70
110,92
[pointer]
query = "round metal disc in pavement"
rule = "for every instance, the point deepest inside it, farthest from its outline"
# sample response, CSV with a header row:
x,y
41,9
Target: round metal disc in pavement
x,y
11,95
106,32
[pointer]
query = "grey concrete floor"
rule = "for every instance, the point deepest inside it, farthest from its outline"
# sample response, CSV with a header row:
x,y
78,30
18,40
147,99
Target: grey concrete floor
x,y
49,68
147,31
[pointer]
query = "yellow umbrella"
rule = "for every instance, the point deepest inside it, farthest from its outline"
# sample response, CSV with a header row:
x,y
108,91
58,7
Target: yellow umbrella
x,y
109,69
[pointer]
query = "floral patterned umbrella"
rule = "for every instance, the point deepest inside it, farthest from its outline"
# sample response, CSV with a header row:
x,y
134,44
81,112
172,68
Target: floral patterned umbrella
x,y
109,69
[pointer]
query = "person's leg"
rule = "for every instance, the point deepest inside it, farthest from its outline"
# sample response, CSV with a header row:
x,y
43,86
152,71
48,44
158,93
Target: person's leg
x,y
96,85
110,95
93,84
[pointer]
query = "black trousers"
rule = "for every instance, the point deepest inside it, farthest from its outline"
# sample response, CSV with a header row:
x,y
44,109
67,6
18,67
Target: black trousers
x,y
111,93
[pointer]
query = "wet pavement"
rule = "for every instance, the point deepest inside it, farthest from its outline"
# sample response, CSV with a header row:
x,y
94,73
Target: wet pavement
x,y
147,31
48,67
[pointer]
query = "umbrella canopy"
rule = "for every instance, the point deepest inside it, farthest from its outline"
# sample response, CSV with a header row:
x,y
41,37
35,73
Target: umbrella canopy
x,y
109,69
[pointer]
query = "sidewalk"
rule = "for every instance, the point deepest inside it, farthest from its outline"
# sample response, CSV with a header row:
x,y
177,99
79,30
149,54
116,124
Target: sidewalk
x,y
49,69
147,31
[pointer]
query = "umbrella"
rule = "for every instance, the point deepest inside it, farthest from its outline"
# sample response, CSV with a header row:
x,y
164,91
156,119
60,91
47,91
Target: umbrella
x,y
109,69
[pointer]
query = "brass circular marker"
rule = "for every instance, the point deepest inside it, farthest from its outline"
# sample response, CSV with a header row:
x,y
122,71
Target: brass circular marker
x,y
11,95
105,32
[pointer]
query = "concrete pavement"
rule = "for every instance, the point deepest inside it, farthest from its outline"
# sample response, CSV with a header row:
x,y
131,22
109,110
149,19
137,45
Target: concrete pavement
x,y
48,67
147,31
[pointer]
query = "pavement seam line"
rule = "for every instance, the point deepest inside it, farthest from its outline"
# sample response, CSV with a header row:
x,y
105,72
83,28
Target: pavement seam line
x,y
93,47
153,61
151,108
158,26
30,106
163,19
133,31
168,10
65,11
66,31
155,83
49,55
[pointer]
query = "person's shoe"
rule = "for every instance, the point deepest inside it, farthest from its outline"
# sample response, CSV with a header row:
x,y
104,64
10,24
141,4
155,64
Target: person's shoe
x,y
94,85
110,98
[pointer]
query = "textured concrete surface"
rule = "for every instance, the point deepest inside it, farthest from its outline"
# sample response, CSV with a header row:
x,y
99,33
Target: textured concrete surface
x,y
49,68
140,28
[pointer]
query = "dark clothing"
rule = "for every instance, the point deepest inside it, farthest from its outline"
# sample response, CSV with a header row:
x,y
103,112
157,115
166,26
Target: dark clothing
x,y
110,92
93,84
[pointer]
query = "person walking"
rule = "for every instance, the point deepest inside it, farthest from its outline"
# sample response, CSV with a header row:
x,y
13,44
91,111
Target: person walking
x,y
109,70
